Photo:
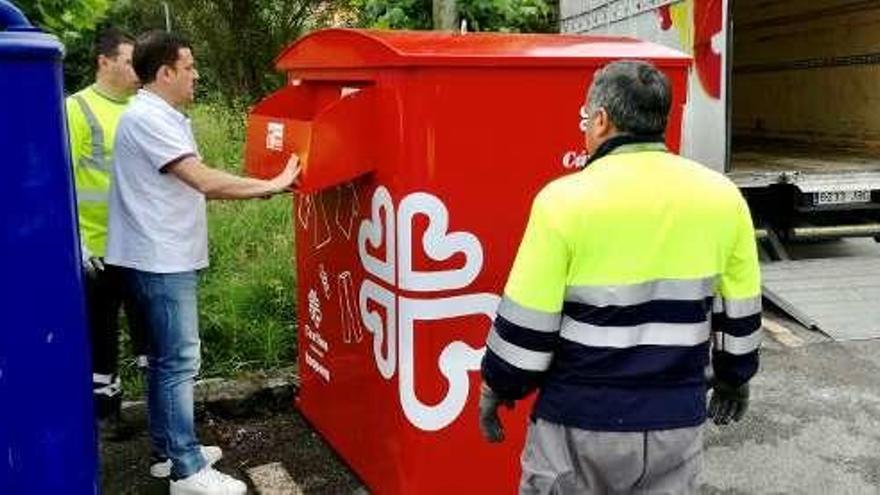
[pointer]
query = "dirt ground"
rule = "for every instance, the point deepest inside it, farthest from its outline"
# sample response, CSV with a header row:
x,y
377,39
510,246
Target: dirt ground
x,y
249,438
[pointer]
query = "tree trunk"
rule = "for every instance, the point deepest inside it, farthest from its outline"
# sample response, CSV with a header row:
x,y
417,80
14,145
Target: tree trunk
x,y
445,15
240,24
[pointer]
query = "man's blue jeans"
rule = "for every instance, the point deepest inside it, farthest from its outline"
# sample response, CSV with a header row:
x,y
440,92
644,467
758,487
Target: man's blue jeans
x,y
169,303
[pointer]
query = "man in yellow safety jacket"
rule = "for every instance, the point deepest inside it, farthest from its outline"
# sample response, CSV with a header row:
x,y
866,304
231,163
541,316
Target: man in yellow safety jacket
x,y
631,275
92,116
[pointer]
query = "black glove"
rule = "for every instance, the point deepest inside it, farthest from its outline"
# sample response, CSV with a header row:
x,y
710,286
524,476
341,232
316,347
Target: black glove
x,y
728,403
490,424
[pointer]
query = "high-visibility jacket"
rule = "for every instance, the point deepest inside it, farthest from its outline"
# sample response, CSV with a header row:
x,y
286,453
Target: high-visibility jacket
x,y
91,121
608,308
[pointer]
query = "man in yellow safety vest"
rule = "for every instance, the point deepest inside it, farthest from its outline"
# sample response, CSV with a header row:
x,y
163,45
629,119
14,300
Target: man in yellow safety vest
x,y
92,116
633,277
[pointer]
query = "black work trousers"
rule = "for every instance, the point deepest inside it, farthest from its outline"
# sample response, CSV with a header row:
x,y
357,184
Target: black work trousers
x,y
106,295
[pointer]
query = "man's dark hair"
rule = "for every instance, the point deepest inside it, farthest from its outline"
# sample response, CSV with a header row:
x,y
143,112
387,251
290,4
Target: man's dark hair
x,y
107,42
155,49
636,96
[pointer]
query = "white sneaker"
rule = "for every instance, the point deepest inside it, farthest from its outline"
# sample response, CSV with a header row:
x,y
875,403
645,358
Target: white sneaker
x,y
162,469
208,481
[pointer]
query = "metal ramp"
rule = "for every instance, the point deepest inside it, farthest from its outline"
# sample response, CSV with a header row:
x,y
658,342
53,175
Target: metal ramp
x,y
838,296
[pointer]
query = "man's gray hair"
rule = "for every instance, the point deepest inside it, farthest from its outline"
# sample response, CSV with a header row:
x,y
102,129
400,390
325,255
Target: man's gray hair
x,y
635,95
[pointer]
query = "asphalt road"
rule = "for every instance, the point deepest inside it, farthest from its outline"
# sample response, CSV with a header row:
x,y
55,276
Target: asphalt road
x,y
814,424
813,428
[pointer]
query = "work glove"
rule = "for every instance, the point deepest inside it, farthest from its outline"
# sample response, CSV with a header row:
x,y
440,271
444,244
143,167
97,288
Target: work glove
x,y
93,265
490,424
728,403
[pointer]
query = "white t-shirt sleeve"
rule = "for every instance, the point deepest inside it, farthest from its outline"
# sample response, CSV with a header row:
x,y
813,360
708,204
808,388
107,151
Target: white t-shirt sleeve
x,y
162,141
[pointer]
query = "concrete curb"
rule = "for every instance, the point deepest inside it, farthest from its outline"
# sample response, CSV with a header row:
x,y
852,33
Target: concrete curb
x,y
234,397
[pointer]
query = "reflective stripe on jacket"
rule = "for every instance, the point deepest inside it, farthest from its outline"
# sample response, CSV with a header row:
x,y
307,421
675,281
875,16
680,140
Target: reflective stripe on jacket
x,y
91,120
608,308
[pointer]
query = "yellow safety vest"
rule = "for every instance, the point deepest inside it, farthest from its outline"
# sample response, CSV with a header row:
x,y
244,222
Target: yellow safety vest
x,y
91,122
636,217
626,273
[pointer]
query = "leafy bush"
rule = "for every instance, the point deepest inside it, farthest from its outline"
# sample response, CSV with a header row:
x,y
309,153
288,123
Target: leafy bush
x,y
247,295
393,14
527,16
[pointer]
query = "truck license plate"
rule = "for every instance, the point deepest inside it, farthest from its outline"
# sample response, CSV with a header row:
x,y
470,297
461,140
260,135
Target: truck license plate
x,y
842,197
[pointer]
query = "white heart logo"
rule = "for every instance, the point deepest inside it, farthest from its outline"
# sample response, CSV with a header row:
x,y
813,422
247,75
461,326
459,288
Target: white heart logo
x,y
379,230
455,362
437,243
394,334
384,332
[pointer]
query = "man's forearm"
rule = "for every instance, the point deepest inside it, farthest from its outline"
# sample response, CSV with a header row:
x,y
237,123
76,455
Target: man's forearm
x,y
217,184
506,380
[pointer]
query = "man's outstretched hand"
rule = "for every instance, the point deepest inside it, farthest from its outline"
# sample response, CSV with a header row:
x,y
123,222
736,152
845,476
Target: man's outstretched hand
x,y
289,178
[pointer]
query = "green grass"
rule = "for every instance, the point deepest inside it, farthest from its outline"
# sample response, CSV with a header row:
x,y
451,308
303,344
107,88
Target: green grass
x,y
246,296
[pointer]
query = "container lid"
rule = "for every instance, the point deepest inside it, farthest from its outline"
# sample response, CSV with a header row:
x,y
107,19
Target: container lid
x,y
20,40
355,48
33,45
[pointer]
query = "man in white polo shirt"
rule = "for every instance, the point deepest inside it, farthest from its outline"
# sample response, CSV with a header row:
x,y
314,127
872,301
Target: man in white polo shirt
x,y
158,234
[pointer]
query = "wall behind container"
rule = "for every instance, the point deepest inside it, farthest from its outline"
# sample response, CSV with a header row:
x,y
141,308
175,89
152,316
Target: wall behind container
x,y
807,71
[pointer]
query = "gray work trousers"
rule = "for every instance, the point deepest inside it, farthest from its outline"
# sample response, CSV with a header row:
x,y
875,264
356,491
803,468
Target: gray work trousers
x,y
559,460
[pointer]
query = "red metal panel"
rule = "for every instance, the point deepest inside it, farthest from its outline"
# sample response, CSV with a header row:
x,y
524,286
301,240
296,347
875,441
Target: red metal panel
x,y
315,120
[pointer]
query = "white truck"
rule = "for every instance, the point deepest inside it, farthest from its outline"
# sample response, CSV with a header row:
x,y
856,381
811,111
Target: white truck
x,y
784,97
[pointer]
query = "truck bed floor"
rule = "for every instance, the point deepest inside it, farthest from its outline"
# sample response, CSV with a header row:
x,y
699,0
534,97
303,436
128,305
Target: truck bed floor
x,y
779,156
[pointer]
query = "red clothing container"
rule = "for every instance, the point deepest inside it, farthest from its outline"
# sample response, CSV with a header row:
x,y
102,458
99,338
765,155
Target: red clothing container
x,y
422,152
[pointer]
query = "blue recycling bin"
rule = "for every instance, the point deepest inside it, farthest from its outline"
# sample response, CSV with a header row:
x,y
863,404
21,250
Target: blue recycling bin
x,y
47,434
